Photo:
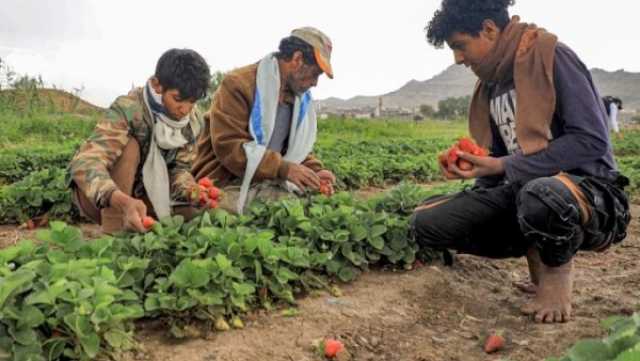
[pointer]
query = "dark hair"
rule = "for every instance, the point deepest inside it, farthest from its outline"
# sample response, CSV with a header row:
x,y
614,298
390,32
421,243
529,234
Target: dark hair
x,y
290,45
185,70
608,99
466,16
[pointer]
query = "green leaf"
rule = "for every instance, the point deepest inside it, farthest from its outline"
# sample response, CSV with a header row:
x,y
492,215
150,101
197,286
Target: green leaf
x,y
212,298
629,355
284,275
376,242
244,289
590,350
30,317
26,336
17,282
117,339
333,266
358,233
90,343
223,262
378,230
347,274
188,275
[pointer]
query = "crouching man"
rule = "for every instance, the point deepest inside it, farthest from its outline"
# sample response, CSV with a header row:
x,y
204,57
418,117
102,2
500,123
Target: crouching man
x,y
138,161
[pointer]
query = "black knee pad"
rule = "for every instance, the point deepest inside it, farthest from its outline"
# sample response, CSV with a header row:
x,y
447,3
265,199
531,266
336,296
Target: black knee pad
x,y
549,217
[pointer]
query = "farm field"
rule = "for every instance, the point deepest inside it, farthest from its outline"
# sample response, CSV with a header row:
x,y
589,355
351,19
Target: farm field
x,y
288,274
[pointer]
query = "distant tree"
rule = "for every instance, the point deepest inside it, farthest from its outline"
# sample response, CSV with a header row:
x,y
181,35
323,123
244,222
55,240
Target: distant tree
x,y
427,111
27,82
453,108
216,80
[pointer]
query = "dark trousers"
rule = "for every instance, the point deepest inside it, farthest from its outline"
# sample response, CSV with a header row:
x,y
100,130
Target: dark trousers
x,y
557,215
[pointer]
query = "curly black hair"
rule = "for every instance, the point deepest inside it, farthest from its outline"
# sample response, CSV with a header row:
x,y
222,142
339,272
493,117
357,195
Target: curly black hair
x,y
185,70
290,45
465,16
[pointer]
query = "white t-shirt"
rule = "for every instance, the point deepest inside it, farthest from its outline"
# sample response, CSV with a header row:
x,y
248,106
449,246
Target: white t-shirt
x,y
613,118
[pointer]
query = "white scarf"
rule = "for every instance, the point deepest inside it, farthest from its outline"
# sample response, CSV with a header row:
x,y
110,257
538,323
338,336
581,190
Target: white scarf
x,y
166,134
302,135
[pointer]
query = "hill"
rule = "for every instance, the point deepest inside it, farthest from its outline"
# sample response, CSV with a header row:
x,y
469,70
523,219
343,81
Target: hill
x,y
53,100
456,81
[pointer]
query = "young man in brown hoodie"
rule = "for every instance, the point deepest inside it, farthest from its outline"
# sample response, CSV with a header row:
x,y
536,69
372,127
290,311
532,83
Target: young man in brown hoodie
x,y
550,186
234,127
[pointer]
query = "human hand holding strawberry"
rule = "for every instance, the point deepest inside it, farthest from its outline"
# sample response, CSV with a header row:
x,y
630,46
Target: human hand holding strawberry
x,y
205,194
465,160
327,180
133,210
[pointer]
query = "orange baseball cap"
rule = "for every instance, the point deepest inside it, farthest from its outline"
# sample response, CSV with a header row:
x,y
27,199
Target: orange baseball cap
x,y
321,44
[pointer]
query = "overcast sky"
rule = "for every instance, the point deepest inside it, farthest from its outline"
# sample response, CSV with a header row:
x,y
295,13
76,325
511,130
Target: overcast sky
x,y
378,45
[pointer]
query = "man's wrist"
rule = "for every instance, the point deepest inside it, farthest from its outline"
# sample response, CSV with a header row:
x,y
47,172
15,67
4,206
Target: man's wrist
x,y
283,171
119,200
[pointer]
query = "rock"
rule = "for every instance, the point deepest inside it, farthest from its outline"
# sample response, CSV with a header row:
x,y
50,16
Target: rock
x,y
362,341
375,341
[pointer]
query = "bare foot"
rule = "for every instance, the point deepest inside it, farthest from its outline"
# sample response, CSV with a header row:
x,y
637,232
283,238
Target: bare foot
x,y
526,286
553,298
534,262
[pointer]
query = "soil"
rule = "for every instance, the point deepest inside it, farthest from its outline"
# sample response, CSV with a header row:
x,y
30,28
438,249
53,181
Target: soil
x,y
431,313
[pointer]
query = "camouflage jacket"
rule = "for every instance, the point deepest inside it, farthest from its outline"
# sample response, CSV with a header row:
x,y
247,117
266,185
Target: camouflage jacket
x,y
129,117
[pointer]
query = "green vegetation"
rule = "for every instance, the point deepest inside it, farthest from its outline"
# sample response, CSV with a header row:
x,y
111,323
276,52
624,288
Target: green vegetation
x,y
360,152
622,343
64,298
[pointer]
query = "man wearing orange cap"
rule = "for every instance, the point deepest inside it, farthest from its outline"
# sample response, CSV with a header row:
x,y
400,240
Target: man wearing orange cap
x,y
262,125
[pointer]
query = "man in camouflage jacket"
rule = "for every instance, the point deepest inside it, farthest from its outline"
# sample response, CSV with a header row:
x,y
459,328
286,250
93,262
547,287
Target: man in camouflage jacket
x,y
137,142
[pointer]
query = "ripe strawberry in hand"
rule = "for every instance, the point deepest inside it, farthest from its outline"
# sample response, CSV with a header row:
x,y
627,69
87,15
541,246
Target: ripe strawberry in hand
x,y
325,187
452,156
214,193
467,145
148,222
464,164
205,182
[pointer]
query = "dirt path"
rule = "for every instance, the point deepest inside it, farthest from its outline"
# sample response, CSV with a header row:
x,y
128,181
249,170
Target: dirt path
x,y
433,313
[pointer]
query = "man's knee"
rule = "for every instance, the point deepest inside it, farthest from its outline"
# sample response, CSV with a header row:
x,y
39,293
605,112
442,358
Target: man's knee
x,y
423,227
549,217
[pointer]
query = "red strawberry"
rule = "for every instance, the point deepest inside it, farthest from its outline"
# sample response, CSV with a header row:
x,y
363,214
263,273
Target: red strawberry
x,y
325,187
464,164
332,347
452,156
203,198
213,203
148,222
467,145
205,182
495,342
214,193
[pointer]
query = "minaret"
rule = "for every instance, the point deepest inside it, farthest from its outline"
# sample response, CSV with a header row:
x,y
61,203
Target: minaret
x,y
378,111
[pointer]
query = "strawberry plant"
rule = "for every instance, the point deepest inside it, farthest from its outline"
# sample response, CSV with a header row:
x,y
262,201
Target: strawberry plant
x,y
43,192
69,299
622,343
